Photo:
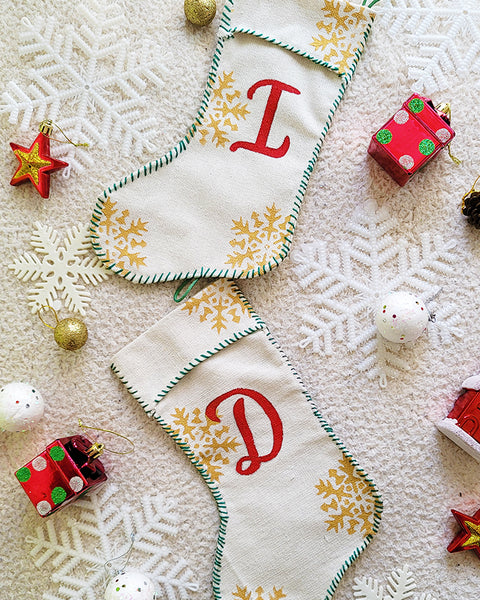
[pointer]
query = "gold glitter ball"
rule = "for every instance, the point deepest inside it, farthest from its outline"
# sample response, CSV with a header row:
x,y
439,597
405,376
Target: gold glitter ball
x,y
200,12
71,334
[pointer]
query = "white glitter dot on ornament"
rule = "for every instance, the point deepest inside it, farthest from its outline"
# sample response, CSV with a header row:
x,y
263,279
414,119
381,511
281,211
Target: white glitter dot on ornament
x,y
21,407
43,508
401,117
443,134
39,463
401,317
406,161
130,585
76,483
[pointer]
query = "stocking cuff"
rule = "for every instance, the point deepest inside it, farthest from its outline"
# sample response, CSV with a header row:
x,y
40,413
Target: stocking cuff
x,y
329,32
211,320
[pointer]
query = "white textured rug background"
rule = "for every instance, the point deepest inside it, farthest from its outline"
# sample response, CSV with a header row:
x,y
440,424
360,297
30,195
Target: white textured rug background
x,y
390,430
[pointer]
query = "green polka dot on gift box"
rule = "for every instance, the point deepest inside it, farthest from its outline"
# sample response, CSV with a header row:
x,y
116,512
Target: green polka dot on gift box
x,y
426,147
416,105
384,136
23,474
57,453
58,495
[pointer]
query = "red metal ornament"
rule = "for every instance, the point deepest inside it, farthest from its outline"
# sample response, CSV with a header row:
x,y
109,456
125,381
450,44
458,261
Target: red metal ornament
x,y
411,138
469,537
36,164
66,469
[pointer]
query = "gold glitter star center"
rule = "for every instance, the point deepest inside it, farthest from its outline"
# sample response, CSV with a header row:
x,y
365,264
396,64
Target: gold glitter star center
x,y
30,163
474,529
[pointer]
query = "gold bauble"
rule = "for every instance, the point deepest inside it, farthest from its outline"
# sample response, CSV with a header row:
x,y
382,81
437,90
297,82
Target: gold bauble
x,y
71,334
200,12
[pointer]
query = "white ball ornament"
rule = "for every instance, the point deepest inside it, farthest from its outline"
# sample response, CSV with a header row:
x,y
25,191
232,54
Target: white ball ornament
x,y
401,317
21,407
130,585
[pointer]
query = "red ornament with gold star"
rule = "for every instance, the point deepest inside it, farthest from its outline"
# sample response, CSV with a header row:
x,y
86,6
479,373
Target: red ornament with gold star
x,y
469,537
36,164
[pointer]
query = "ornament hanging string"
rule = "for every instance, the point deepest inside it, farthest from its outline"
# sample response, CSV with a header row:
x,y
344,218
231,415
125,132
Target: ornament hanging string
x,y
470,191
445,108
46,127
109,565
97,447
48,307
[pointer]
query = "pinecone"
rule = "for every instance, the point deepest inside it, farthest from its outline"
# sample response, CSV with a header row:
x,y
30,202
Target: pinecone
x,y
471,209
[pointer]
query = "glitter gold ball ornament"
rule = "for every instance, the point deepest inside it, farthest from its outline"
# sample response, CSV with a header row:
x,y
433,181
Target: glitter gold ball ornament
x,y
70,333
21,407
200,12
129,585
401,317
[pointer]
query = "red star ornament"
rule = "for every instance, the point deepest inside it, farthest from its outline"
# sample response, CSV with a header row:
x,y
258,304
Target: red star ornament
x,y
469,537
36,164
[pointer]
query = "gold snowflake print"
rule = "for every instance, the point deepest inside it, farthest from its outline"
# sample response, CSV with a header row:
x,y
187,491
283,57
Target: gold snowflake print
x,y
244,594
341,33
224,113
208,440
258,240
351,503
123,237
218,306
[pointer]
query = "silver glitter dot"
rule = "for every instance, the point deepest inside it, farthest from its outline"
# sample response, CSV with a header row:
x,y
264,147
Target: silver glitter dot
x,y
39,463
406,161
43,508
401,117
76,483
443,134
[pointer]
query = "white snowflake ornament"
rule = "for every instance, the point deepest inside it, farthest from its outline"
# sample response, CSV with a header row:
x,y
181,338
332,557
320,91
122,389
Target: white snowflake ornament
x,y
60,269
441,39
400,586
346,280
130,585
102,522
90,80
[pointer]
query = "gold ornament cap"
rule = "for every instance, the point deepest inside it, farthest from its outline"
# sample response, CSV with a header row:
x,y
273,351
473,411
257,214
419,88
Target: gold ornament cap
x,y
70,334
46,127
200,12
96,450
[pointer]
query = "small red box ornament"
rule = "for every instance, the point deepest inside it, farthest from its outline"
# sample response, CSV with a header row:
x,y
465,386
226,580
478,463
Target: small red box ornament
x,y
65,470
411,138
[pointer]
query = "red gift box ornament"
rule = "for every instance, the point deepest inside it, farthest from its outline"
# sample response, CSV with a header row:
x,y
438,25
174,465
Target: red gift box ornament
x,y
411,138
67,468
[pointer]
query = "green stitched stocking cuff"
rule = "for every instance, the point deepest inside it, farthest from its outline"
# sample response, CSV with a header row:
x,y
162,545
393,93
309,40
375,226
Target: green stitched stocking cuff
x,y
211,320
329,32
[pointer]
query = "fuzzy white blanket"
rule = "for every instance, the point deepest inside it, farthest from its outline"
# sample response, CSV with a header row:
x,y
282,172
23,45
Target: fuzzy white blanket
x,y
128,77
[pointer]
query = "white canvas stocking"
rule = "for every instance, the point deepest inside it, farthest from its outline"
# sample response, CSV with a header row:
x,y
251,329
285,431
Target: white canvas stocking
x,y
295,507
224,202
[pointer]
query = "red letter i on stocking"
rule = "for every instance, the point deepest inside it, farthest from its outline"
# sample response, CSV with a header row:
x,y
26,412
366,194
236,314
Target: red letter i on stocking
x,y
260,144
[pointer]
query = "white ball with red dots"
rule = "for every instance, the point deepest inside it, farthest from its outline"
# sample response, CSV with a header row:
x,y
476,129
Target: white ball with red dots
x,y
21,407
130,585
401,317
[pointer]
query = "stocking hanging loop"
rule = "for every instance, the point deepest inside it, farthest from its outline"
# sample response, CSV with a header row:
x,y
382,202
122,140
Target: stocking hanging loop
x,y
181,293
